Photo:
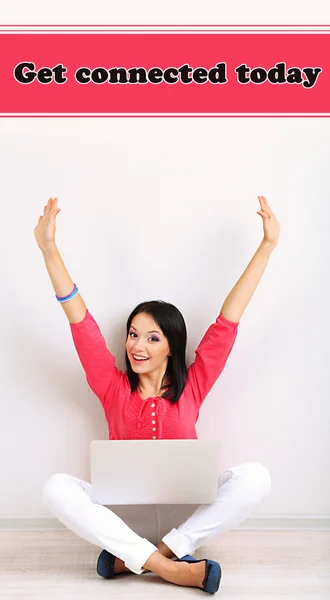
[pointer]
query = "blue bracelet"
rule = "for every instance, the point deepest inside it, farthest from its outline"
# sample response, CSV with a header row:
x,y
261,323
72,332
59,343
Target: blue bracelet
x,y
69,297
72,295
65,297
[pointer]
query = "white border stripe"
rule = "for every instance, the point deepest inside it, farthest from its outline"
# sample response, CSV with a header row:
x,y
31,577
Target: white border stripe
x,y
165,27
113,114
163,32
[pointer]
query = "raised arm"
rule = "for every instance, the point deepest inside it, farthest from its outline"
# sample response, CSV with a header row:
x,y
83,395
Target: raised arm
x,y
97,361
75,309
241,294
217,343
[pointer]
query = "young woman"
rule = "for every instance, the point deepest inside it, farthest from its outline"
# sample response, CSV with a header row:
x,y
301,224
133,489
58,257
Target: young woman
x,y
157,398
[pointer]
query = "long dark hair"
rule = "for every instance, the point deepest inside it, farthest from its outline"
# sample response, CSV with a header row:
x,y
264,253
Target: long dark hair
x,y
172,324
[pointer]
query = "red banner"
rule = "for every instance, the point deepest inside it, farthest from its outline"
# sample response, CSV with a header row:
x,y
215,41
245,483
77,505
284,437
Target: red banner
x,y
165,73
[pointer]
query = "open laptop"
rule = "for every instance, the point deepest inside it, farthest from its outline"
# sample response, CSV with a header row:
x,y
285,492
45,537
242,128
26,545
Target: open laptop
x,y
149,472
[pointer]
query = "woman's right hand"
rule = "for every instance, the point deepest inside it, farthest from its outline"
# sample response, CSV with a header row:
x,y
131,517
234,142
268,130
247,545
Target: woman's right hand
x,y
44,232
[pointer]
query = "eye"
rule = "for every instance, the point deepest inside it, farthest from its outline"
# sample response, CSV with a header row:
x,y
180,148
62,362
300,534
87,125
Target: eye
x,y
151,337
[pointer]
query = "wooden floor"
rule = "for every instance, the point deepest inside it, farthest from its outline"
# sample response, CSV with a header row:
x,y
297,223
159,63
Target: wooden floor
x,y
258,565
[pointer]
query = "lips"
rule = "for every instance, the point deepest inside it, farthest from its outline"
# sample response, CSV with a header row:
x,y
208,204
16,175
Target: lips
x,y
140,359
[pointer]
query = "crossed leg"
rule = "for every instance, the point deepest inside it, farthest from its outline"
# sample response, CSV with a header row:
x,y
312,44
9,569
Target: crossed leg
x,y
69,499
240,491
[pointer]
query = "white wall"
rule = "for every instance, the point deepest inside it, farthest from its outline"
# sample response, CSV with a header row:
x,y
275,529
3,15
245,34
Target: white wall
x,y
156,208
167,209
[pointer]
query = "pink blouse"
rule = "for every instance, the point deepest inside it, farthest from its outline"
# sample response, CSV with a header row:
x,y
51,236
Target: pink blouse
x,y
129,416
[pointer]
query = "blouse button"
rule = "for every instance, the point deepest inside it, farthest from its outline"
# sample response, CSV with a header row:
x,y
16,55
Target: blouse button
x,y
153,422
153,437
152,405
154,429
153,414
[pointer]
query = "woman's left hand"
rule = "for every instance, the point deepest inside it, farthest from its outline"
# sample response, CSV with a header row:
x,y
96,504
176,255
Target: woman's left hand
x,y
270,222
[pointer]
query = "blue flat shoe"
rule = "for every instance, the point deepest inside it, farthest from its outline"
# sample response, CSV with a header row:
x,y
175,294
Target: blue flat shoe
x,y
211,581
106,564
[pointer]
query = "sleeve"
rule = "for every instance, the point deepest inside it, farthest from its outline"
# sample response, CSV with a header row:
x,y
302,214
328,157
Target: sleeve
x,y
211,357
97,361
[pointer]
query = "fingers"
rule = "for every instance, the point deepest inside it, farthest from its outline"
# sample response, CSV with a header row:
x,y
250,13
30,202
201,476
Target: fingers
x,y
50,206
47,207
265,208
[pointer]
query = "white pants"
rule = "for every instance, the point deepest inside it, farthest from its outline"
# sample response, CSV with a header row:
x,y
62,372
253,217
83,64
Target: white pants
x,y
132,532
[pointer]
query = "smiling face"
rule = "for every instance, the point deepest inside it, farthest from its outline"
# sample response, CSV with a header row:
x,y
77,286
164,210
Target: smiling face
x,y
146,341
